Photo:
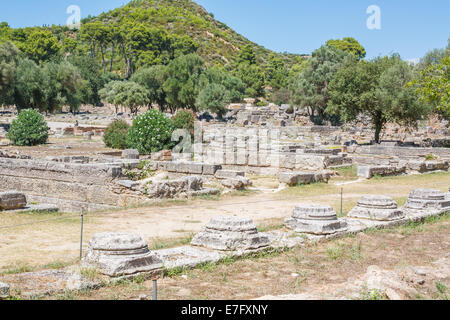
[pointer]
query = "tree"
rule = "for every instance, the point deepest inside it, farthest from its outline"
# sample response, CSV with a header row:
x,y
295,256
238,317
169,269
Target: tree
x,y
41,45
68,85
89,69
9,56
310,87
182,84
131,95
152,79
376,88
110,91
247,55
434,57
28,91
433,87
213,98
235,88
276,73
252,76
349,45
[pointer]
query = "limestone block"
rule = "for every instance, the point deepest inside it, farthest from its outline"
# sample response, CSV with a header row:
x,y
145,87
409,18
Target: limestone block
x,y
226,174
130,154
230,234
315,219
376,207
294,178
236,183
211,169
310,162
12,200
128,183
369,171
194,168
121,254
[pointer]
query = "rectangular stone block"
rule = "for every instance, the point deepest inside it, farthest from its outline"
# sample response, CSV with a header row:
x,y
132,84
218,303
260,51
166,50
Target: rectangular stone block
x,y
12,200
210,169
227,174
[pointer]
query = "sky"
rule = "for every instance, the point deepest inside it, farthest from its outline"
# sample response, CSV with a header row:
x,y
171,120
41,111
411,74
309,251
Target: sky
x,y
410,28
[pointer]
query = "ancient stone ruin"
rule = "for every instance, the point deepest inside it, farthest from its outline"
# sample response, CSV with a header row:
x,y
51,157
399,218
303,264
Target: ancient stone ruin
x,y
376,207
121,254
12,200
231,234
4,290
427,200
316,219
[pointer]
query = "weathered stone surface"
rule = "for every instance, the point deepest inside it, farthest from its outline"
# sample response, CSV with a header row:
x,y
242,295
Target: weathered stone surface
x,y
425,166
121,254
210,169
128,183
12,200
236,183
369,171
4,290
427,199
47,282
376,207
226,174
130,154
294,178
230,233
315,219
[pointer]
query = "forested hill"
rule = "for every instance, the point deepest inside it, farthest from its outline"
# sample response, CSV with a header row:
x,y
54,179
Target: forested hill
x,y
217,43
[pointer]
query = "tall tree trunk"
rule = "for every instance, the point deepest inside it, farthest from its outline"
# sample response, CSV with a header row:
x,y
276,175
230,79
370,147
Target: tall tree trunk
x,y
112,59
379,123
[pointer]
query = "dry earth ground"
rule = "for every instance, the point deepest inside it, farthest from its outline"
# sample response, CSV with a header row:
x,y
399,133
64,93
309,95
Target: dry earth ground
x,y
314,270
172,223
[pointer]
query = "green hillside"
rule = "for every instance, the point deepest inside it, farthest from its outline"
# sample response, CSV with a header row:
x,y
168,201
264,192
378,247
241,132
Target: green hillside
x,y
217,43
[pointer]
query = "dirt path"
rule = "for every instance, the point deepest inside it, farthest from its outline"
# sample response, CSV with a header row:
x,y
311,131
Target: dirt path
x,y
40,244
410,262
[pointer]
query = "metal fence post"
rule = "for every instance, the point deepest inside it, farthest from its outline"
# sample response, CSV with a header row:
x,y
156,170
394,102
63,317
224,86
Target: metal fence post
x,y
155,289
81,233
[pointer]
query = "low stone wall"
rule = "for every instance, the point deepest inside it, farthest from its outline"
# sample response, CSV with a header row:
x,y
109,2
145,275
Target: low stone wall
x,y
444,153
71,186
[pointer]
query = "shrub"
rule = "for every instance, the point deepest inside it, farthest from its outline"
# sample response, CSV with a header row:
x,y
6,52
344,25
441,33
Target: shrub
x,y
151,132
116,134
185,119
29,129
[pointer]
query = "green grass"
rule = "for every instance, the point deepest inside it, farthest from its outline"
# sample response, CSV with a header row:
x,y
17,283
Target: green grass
x,y
372,294
442,290
350,172
157,244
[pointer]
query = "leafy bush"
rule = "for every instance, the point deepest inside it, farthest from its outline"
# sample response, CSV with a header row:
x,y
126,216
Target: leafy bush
x,y
116,135
185,119
151,132
29,129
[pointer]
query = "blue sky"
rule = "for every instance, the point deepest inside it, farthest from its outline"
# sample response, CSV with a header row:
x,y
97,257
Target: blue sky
x,y
410,28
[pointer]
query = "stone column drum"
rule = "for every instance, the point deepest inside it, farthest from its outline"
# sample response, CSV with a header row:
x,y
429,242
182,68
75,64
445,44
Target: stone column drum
x,y
427,200
121,254
376,207
316,219
230,234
